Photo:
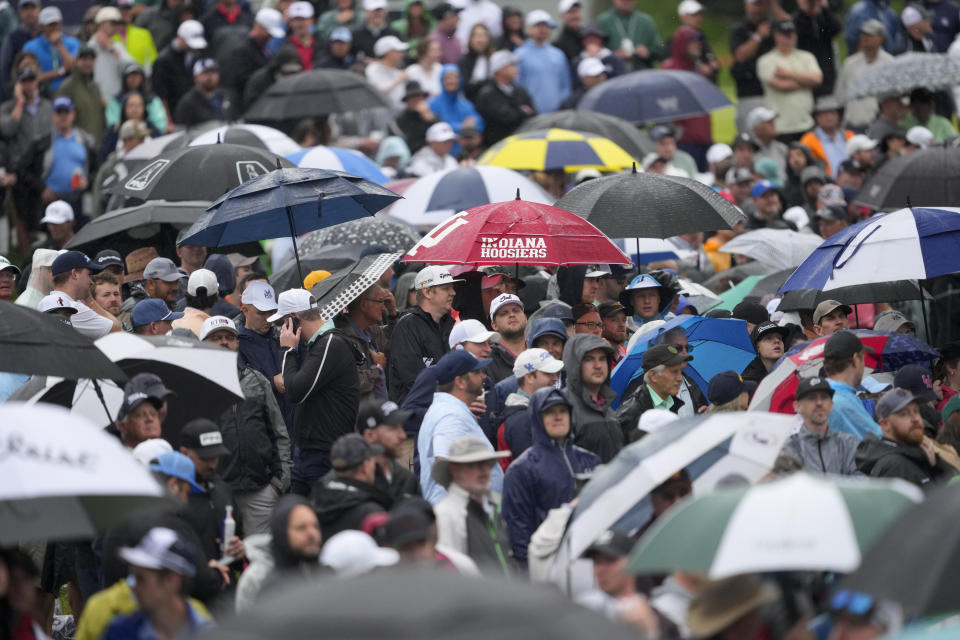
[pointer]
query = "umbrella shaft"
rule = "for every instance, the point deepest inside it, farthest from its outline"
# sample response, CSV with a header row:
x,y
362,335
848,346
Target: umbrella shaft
x,y
293,236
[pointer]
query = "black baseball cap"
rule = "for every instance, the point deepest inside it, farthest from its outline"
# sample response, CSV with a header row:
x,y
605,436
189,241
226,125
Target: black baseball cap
x,y
558,310
133,397
109,257
408,523
374,412
457,363
916,379
809,385
203,437
784,26
351,450
843,345
766,328
727,385
611,544
663,354
752,312
744,138
611,308
150,384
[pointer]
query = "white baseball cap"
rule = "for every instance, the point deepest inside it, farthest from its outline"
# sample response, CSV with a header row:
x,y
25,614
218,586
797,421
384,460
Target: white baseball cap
x,y
719,152
536,360
150,449
300,9
440,132
386,44
373,5
272,21
191,32
353,553
261,295
217,323
50,15
57,300
433,276
501,59
57,212
919,136
597,271
566,5
860,142
108,14
537,16
911,16
590,67
470,331
759,115
203,278
689,8
502,300
293,301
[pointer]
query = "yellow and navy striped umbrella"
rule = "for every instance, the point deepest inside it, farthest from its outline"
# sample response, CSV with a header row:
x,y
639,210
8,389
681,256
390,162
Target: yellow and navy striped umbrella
x,y
549,149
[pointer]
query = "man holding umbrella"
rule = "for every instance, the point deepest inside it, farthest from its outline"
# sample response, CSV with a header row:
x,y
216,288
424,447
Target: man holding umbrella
x,y
322,387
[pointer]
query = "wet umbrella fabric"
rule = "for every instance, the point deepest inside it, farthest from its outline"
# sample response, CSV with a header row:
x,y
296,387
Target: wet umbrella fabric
x,y
903,74
336,159
799,299
252,135
314,93
778,248
126,229
923,178
35,343
379,231
655,95
65,478
331,258
334,299
623,133
647,205
197,173
556,149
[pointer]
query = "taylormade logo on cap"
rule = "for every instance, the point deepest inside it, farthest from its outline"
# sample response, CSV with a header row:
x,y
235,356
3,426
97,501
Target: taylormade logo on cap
x,y
513,248
433,277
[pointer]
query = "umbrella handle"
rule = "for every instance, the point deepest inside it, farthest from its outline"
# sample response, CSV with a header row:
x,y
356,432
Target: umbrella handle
x,y
293,236
836,259
99,392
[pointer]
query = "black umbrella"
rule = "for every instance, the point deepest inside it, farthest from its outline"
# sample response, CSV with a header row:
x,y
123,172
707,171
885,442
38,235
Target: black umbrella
x,y
770,284
197,173
647,205
418,604
635,142
39,344
395,236
155,222
800,299
314,93
923,178
332,259
916,562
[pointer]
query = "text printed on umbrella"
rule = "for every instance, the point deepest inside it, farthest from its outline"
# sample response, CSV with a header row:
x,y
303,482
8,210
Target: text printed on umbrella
x,y
16,446
513,248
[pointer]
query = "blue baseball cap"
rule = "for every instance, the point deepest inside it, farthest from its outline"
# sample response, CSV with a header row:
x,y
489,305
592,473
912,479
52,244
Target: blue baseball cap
x,y
73,260
153,310
176,465
63,102
457,363
727,385
546,327
341,34
761,187
643,281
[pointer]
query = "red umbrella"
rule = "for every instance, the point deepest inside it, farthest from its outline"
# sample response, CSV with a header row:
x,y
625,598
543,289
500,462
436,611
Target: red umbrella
x,y
516,232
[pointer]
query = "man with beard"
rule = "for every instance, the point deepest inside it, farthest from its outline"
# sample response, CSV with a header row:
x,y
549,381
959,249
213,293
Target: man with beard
x,y
821,449
381,424
294,544
613,315
507,319
768,339
105,289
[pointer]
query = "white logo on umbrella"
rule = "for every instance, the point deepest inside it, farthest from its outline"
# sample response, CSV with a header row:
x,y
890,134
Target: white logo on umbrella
x,y
142,179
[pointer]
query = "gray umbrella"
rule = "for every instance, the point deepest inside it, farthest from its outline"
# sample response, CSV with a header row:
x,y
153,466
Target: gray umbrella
x,y
729,277
647,205
905,73
340,289
394,236
800,299
419,604
923,178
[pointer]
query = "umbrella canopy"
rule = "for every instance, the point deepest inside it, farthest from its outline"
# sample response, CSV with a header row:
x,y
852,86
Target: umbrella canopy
x,y
779,248
65,478
903,74
635,142
203,377
287,202
702,298
857,294
251,135
712,448
914,243
126,229
551,149
332,258
35,343
336,159
655,95
334,296
735,294
771,285
149,149
922,574
365,231
891,351
314,93
197,173
647,250
516,232
716,344
435,197
923,178
647,205
797,523
418,603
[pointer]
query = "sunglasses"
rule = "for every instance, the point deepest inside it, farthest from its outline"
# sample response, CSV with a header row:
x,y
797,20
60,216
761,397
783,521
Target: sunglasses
x,y
852,603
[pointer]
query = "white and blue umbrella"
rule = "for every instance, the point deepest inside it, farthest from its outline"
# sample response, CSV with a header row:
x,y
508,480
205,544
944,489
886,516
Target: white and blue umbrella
x,y
434,198
337,159
253,135
909,244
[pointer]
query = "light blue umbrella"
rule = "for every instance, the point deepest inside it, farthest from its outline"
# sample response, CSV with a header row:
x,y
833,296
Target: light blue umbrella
x,y
718,344
337,159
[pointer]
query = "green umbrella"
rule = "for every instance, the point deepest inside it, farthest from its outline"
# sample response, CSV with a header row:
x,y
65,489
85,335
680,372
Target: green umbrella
x,y
799,523
735,295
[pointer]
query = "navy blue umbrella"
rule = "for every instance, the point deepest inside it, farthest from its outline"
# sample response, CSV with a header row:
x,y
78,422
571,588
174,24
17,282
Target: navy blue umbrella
x,y
655,95
287,202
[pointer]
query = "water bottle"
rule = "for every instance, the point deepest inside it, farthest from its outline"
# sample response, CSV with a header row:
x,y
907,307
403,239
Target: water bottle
x,y
229,530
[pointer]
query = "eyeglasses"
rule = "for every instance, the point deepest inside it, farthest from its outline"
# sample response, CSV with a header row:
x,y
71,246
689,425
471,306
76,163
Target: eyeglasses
x,y
376,300
683,347
590,325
